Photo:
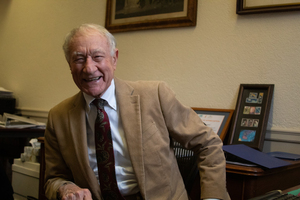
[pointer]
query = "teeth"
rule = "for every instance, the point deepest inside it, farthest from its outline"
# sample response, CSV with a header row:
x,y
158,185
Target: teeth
x,y
94,79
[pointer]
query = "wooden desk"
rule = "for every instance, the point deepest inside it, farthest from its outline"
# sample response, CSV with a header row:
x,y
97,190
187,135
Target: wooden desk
x,y
247,182
21,133
12,141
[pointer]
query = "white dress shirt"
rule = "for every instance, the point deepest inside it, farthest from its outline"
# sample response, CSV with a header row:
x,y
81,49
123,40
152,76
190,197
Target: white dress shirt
x,y
125,175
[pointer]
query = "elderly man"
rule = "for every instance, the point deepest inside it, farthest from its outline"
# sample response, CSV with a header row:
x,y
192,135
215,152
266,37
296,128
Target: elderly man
x,y
112,139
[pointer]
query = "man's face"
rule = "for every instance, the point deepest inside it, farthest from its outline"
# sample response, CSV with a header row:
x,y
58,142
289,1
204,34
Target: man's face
x,y
91,63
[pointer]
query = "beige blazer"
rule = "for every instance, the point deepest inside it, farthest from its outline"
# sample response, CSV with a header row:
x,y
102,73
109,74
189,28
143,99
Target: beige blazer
x,y
150,114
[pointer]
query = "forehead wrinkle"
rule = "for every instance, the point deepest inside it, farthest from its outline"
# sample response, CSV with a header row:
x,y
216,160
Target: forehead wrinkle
x,y
80,53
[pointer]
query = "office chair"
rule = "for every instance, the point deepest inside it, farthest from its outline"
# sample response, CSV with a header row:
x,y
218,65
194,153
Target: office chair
x,y
187,163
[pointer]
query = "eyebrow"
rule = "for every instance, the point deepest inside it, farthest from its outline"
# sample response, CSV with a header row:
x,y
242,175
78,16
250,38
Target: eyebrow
x,y
78,53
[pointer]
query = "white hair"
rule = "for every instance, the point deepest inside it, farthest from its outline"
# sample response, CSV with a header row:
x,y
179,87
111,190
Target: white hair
x,y
86,29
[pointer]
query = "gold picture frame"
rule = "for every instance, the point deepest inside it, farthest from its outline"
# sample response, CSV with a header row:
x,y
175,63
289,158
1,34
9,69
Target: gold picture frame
x,y
259,6
223,116
130,15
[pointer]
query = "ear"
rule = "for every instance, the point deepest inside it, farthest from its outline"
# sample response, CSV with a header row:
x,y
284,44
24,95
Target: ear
x,y
115,57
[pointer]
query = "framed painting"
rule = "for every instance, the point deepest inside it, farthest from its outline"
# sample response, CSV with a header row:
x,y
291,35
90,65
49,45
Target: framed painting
x,y
217,119
259,6
251,116
129,15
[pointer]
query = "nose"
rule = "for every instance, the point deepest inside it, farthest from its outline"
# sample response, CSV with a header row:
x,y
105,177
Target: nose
x,y
89,66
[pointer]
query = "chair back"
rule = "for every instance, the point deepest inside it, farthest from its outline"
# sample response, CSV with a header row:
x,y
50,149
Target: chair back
x,y
187,163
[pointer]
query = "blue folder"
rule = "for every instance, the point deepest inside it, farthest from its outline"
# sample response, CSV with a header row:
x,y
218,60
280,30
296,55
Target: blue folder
x,y
285,155
254,156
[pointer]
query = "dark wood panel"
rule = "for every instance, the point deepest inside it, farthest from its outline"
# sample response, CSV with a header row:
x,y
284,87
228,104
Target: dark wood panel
x,y
248,182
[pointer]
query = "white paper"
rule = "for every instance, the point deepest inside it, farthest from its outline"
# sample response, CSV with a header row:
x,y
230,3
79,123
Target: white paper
x,y
4,93
212,121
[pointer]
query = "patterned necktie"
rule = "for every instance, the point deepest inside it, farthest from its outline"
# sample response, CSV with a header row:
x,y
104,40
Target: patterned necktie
x,y
105,154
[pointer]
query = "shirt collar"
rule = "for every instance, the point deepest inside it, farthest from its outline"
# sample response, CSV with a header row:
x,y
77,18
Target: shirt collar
x,y
109,95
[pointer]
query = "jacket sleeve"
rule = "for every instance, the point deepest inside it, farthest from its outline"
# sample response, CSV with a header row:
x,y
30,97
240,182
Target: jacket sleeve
x,y
186,127
57,172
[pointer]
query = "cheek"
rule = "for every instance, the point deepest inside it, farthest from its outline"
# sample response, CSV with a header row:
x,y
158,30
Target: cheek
x,y
112,68
73,75
75,71
76,76
72,70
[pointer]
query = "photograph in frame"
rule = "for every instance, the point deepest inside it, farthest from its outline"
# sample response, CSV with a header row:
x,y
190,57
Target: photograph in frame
x,y
129,15
218,119
259,6
251,116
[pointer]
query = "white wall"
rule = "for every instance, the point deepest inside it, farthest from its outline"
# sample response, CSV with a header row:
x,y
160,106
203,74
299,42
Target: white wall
x,y
204,65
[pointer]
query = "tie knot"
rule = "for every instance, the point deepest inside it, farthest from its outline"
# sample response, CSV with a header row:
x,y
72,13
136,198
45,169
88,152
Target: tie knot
x,y
99,103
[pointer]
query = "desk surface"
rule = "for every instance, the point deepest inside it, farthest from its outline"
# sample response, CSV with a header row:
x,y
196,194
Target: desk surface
x,y
258,171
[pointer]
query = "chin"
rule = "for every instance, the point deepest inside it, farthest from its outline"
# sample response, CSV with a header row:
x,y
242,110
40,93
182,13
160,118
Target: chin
x,y
95,94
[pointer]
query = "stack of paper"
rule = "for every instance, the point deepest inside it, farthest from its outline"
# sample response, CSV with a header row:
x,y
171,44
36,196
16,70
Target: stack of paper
x,y
15,121
4,93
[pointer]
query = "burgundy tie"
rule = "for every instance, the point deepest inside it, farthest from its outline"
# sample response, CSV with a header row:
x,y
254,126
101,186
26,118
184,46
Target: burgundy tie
x,y
105,154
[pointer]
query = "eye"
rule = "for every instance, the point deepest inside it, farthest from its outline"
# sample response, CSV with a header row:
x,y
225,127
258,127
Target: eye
x,y
97,57
79,59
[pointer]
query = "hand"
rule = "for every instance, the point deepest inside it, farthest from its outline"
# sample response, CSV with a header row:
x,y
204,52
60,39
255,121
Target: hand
x,y
73,192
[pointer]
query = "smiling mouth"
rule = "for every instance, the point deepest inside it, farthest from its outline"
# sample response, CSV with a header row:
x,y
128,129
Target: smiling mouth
x,y
93,79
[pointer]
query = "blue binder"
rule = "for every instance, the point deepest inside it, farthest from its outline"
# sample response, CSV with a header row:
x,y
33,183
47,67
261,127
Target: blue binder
x,y
254,156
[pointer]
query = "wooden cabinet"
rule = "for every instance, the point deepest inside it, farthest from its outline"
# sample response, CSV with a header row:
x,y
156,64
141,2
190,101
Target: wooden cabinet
x,y
246,182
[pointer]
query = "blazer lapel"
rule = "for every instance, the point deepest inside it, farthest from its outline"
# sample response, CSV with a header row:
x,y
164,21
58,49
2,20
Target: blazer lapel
x,y
129,106
77,122
78,129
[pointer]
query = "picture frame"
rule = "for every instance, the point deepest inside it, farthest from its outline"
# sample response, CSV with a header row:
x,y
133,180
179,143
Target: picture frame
x,y
130,15
251,115
259,6
217,119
